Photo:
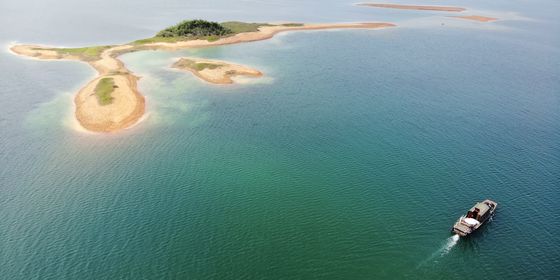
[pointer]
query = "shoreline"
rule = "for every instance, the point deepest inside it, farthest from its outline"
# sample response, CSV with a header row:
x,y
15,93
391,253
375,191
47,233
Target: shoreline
x,y
128,104
264,33
127,108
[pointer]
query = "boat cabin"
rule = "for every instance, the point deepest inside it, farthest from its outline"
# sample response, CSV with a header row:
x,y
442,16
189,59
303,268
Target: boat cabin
x,y
479,212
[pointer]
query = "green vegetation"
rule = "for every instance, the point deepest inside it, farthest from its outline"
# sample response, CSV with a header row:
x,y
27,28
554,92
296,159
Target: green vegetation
x,y
201,29
212,38
158,40
292,24
103,91
202,65
87,53
195,28
240,27
198,66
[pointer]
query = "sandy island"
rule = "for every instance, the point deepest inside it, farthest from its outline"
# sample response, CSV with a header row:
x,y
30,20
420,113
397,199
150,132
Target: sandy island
x,y
477,18
413,7
214,71
431,8
128,105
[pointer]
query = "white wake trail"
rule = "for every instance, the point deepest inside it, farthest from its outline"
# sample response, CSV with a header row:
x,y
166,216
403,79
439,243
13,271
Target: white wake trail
x,y
447,246
451,242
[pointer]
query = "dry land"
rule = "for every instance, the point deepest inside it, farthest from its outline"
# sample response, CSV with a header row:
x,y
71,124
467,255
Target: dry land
x,y
214,71
122,105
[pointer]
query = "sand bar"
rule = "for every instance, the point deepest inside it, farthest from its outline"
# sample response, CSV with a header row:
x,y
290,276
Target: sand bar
x,y
414,7
477,18
128,105
214,71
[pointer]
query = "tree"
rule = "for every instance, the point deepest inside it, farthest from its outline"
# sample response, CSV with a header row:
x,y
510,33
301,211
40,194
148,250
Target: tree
x,y
195,28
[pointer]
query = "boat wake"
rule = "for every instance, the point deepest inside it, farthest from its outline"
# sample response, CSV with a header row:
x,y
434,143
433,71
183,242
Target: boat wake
x,y
443,250
451,242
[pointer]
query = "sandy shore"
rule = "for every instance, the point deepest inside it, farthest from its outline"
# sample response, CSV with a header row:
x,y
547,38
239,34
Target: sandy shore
x,y
414,7
265,32
477,18
214,71
128,105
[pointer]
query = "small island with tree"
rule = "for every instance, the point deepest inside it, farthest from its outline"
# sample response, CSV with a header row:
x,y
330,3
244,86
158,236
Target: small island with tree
x,y
195,29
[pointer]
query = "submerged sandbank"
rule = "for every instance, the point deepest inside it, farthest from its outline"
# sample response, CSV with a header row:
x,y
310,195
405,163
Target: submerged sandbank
x,y
413,7
128,105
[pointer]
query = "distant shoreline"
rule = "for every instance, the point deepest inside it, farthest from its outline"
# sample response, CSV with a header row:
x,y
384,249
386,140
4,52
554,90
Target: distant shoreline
x,y
128,105
413,7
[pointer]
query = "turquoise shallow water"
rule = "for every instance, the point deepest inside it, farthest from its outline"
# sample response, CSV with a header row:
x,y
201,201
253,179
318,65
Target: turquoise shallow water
x,y
351,159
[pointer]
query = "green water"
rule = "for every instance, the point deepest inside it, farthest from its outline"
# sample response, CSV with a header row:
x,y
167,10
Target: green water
x,y
350,159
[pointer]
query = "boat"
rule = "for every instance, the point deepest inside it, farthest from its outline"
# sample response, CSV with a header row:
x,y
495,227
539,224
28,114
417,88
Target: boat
x,y
475,217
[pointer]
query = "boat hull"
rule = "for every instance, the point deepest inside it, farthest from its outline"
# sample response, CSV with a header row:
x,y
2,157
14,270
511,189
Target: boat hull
x,y
474,219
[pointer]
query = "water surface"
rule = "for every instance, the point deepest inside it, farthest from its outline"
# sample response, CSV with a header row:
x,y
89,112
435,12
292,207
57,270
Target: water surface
x,y
351,159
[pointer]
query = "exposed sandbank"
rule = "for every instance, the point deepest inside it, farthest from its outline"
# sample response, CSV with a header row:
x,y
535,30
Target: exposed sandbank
x,y
477,18
126,108
214,71
265,32
414,7
128,104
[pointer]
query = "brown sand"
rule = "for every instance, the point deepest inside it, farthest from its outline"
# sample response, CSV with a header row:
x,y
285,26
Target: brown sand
x,y
414,7
128,104
477,18
220,72
125,110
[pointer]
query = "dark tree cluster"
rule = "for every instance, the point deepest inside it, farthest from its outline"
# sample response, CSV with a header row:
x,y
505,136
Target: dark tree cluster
x,y
195,28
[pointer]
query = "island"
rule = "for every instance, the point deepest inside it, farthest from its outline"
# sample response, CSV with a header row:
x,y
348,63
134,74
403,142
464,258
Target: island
x,y
214,71
111,101
430,8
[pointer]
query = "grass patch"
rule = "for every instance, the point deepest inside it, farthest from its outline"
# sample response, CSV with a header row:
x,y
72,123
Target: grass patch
x,y
292,24
198,66
158,40
87,53
202,65
202,30
103,91
213,38
240,27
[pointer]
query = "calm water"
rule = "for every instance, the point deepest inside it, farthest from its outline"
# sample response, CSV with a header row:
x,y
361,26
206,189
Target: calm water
x,y
351,159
